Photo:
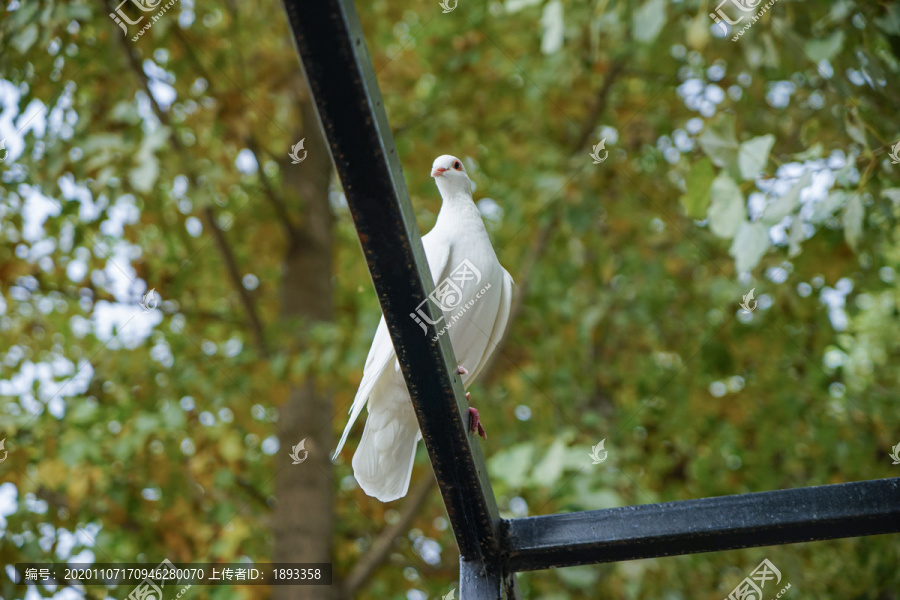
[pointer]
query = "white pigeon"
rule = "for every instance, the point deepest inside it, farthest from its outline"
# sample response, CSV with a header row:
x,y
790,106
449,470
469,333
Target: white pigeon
x,y
477,293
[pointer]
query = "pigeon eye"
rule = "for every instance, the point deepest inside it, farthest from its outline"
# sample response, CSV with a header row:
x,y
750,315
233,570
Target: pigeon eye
x,y
457,166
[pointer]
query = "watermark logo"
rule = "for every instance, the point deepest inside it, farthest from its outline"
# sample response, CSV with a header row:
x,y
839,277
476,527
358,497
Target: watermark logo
x,y
748,308
4,152
751,587
3,441
447,294
596,152
445,4
720,17
452,594
295,452
145,6
121,18
148,590
895,454
894,153
598,454
296,159
454,318
745,6
150,300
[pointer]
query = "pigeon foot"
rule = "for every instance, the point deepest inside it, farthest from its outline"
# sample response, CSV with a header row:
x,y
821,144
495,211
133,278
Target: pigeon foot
x,y
475,422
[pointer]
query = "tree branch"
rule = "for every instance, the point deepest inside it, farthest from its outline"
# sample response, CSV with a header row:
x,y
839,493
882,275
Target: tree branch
x,y
381,548
254,493
48,495
138,70
599,106
235,275
274,198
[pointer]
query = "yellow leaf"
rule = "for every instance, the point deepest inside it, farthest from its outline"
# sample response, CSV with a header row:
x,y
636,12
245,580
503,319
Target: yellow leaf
x,y
53,473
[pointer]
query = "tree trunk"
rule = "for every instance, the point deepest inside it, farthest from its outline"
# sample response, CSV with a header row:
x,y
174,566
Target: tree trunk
x,y
304,517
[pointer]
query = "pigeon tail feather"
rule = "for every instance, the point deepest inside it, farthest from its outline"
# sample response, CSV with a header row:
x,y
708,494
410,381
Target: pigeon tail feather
x,y
380,355
383,462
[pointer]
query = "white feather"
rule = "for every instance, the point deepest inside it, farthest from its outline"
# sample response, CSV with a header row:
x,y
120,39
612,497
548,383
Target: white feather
x,y
383,460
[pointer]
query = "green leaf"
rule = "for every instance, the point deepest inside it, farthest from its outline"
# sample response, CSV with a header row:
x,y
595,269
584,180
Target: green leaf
x,y
754,154
697,32
727,210
796,236
26,12
892,194
230,446
25,39
173,417
105,175
855,128
80,13
517,5
549,470
155,140
648,20
82,412
223,478
825,208
890,22
579,577
278,364
699,182
554,27
811,153
750,244
719,142
841,10
125,112
104,142
74,447
592,497
512,465
825,48
143,176
853,221
787,203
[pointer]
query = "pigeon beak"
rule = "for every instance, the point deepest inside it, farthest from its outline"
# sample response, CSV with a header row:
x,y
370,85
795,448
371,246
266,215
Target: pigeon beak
x,y
438,171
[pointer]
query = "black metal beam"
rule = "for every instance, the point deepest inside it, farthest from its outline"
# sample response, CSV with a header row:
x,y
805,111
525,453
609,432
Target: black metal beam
x,y
475,582
705,525
339,72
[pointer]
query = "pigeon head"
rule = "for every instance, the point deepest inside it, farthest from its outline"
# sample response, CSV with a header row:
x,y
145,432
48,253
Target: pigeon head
x,y
450,176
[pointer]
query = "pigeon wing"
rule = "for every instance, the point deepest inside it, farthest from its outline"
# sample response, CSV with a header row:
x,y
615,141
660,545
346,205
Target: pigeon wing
x,y
381,354
507,293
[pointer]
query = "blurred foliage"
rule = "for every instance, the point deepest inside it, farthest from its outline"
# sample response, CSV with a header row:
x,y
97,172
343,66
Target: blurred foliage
x,y
762,163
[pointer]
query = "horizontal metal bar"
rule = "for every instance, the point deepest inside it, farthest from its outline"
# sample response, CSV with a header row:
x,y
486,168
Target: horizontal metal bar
x,y
704,525
340,75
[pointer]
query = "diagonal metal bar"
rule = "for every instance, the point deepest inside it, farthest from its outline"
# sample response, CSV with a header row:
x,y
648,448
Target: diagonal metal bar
x,y
477,583
705,525
339,72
